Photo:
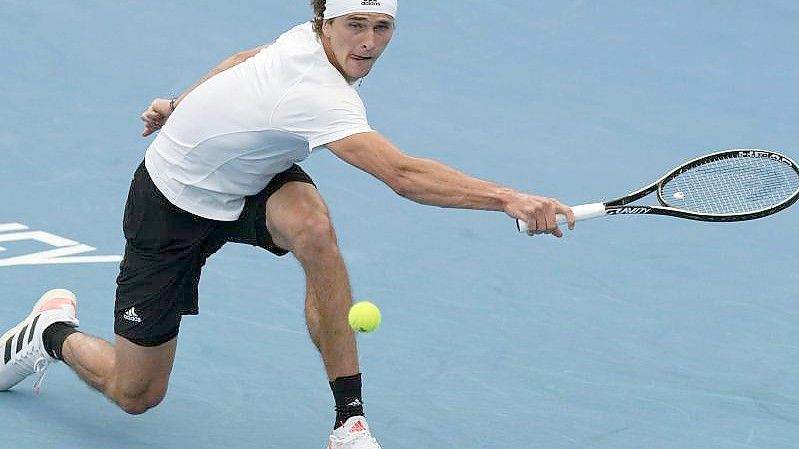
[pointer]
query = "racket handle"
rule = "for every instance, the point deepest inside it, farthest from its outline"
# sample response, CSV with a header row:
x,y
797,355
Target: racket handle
x,y
581,212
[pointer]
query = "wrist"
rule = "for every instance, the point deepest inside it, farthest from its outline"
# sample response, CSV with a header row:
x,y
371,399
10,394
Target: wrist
x,y
173,103
506,196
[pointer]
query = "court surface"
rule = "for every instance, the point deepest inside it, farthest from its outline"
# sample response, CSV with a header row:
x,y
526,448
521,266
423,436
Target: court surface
x,y
636,332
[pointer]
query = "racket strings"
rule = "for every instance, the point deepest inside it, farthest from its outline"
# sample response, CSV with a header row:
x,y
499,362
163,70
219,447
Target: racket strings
x,y
732,185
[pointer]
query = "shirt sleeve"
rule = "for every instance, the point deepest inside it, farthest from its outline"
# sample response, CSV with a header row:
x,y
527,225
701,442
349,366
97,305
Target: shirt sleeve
x,y
323,115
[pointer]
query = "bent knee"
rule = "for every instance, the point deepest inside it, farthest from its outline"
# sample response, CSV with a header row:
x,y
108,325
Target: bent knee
x,y
137,400
313,236
140,377
136,405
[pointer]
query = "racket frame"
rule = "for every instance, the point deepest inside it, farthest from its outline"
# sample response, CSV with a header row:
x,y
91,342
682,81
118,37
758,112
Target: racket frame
x,y
622,206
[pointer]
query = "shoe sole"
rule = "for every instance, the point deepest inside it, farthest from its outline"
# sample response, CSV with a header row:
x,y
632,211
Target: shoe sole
x,y
58,293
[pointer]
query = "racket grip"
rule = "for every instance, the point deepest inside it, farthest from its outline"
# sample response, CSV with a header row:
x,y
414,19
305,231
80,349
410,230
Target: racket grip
x,y
581,212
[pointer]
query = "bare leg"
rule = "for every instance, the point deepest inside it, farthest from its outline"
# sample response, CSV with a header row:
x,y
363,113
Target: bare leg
x,y
328,299
134,377
92,359
299,222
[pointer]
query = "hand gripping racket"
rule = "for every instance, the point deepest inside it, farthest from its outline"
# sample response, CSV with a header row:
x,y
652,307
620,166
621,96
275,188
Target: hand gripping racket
x,y
733,185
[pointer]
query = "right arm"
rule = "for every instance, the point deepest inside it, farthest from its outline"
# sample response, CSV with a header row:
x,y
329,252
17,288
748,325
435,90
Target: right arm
x,y
156,115
426,181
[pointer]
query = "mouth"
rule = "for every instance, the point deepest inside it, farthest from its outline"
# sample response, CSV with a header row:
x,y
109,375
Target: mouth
x,y
361,58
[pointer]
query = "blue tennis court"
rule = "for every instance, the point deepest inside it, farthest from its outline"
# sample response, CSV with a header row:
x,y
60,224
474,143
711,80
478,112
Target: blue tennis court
x,y
629,332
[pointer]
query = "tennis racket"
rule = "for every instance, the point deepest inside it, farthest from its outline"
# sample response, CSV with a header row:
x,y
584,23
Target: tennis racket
x,y
733,185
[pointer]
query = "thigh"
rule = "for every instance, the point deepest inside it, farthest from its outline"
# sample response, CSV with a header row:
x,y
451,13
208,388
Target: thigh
x,y
143,370
251,227
290,209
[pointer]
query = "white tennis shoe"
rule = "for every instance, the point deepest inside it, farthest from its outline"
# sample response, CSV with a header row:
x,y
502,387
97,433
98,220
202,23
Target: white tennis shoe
x,y
22,350
354,434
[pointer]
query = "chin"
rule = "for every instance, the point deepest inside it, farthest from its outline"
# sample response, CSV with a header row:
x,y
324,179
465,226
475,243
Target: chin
x,y
363,73
360,73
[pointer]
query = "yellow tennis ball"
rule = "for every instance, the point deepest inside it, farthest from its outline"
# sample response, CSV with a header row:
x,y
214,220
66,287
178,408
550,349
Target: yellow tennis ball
x,y
364,316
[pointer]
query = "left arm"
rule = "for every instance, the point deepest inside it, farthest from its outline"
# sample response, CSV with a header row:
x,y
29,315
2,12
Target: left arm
x,y
160,109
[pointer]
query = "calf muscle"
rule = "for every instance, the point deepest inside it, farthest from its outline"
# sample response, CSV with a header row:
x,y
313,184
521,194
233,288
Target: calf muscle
x,y
133,376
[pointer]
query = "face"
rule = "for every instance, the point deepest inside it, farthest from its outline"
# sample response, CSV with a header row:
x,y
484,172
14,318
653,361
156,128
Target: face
x,y
355,41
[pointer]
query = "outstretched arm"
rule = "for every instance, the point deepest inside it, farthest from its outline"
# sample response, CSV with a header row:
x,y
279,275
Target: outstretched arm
x,y
156,115
429,182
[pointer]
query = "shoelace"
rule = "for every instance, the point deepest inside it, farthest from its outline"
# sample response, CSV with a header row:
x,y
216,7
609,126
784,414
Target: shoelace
x,y
40,366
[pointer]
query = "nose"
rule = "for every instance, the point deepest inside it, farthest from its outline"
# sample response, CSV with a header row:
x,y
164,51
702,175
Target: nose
x,y
368,42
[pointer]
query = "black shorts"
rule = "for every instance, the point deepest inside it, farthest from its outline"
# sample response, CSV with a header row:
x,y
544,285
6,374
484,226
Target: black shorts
x,y
166,248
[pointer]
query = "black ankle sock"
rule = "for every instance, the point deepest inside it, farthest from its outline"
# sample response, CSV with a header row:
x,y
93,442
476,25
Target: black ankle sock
x,y
54,337
347,394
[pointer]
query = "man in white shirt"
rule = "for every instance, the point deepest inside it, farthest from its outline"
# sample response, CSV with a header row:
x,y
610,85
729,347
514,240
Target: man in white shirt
x,y
223,168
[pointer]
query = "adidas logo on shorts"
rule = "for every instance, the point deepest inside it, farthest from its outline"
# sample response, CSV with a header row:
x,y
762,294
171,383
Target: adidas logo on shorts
x,y
131,315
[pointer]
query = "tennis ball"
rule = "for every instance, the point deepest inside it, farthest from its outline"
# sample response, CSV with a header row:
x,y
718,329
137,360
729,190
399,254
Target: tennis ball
x,y
364,316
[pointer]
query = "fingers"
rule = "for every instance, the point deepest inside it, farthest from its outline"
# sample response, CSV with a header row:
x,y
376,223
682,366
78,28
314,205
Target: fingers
x,y
147,131
542,217
531,227
551,220
150,128
567,212
557,233
151,115
155,116
546,220
152,122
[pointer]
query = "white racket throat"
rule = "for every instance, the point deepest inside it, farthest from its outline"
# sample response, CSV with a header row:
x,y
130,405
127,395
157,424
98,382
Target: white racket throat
x,y
581,212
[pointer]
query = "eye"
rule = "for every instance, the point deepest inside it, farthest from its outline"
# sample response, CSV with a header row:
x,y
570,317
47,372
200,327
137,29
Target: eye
x,y
355,25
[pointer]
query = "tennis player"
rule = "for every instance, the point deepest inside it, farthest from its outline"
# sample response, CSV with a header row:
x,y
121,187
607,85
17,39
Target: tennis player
x,y
223,169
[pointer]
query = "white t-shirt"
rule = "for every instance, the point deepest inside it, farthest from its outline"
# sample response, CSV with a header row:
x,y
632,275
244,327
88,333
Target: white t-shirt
x,y
234,132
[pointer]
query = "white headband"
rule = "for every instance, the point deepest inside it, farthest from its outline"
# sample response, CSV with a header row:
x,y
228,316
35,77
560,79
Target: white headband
x,y
338,8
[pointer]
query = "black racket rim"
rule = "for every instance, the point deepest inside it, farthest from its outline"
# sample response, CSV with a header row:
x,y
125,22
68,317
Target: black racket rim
x,y
634,209
741,216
